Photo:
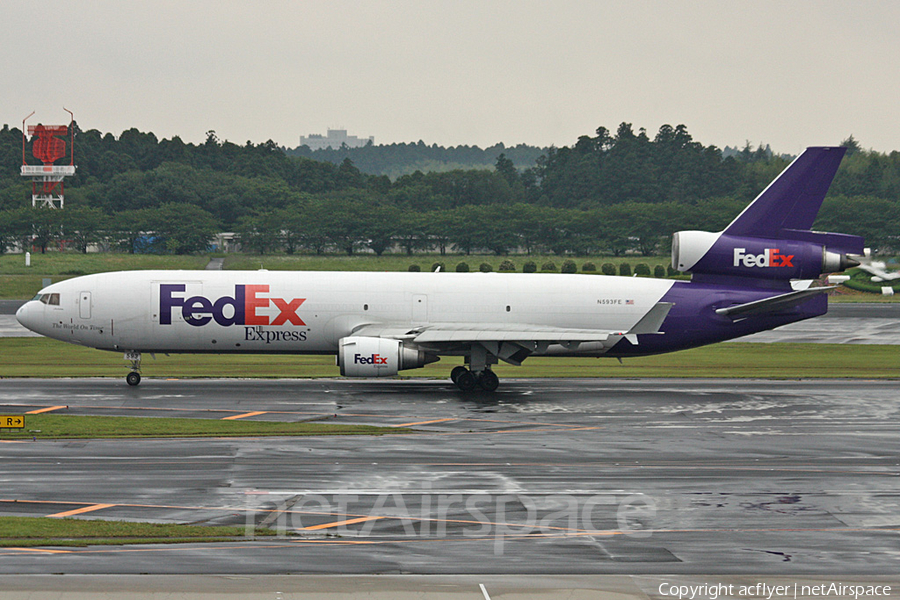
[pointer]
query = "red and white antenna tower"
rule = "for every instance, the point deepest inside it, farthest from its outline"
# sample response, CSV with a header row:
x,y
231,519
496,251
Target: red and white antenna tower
x,y
47,187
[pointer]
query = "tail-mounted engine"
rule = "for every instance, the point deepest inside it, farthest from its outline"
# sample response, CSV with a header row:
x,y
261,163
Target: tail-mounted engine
x,y
378,357
780,259
772,238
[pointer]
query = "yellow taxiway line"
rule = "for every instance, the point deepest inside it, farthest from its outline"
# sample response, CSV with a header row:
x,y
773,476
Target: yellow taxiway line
x,y
79,511
249,414
43,410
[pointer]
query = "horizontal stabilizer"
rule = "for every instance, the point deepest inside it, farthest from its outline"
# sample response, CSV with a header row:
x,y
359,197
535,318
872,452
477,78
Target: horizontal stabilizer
x,y
835,242
771,305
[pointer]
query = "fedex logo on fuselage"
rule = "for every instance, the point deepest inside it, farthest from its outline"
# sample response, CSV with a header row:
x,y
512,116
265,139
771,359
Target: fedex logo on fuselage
x,y
375,359
243,307
769,258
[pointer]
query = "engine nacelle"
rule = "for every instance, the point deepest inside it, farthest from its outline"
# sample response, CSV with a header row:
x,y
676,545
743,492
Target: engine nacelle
x,y
378,357
781,259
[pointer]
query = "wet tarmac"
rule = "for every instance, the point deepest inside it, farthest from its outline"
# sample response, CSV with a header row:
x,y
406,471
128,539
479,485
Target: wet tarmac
x,y
442,587
843,324
559,477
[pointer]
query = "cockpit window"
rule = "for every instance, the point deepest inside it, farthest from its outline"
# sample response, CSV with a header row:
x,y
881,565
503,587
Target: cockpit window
x,y
51,299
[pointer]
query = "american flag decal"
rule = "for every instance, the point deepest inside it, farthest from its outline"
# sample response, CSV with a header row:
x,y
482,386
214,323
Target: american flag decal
x,y
629,302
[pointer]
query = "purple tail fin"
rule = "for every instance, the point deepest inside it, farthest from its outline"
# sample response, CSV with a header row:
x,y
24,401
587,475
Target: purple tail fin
x,y
771,240
793,200
787,208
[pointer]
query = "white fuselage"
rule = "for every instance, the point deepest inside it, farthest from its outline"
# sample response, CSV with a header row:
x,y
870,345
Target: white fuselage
x,y
308,312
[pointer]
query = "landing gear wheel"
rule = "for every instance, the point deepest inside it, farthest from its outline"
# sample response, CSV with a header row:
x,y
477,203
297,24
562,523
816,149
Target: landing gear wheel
x,y
466,381
456,372
488,380
134,377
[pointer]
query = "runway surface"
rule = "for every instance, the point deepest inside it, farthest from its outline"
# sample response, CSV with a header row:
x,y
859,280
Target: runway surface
x,y
843,324
560,477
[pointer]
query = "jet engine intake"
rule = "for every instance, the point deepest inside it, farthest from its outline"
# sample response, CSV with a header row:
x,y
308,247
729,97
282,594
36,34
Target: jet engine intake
x,y
378,357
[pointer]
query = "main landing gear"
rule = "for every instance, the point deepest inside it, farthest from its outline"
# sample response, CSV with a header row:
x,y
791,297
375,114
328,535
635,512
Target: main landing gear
x,y
478,372
467,380
134,377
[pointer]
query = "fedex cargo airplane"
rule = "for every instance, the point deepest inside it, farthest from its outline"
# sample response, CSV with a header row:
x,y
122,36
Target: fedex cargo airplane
x,y
754,275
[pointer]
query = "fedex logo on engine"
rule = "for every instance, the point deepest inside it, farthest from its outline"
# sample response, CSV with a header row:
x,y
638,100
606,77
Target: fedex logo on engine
x,y
769,258
375,359
240,309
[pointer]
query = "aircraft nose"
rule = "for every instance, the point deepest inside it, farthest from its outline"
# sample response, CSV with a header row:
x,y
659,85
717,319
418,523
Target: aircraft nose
x,y
26,315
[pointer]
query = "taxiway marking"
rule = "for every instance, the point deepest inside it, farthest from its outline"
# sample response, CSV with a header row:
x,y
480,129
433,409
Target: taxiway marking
x,y
82,510
43,410
340,523
426,422
249,414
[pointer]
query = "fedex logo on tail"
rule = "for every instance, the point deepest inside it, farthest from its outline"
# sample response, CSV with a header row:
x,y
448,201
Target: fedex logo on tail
x,y
769,258
240,309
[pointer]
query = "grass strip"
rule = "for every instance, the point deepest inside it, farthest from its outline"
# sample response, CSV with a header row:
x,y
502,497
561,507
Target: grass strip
x,y
92,427
70,264
42,357
28,532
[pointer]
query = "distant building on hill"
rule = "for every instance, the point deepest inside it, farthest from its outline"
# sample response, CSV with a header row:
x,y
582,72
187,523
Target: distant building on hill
x,y
335,139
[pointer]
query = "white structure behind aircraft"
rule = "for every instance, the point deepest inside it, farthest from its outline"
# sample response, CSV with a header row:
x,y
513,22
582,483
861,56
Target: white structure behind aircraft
x,y
879,271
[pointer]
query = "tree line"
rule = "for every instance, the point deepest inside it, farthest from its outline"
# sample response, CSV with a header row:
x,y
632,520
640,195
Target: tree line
x,y
395,160
608,193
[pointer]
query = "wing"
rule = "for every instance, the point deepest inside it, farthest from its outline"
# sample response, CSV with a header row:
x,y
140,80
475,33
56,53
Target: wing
x,y
512,342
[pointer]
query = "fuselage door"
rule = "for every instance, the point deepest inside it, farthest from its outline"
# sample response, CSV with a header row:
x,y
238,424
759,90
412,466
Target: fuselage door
x,y
84,305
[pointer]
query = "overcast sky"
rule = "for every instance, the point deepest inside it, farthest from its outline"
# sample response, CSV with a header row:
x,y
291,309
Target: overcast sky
x,y
782,72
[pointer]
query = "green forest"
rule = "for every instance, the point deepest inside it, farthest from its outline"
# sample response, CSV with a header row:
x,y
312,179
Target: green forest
x,y
613,192
395,160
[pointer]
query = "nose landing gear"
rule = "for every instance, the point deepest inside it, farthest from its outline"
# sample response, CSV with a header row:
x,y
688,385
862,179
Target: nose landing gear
x,y
134,377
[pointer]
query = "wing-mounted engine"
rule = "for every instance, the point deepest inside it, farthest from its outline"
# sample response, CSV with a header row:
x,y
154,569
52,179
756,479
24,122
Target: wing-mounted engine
x,y
772,238
378,357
